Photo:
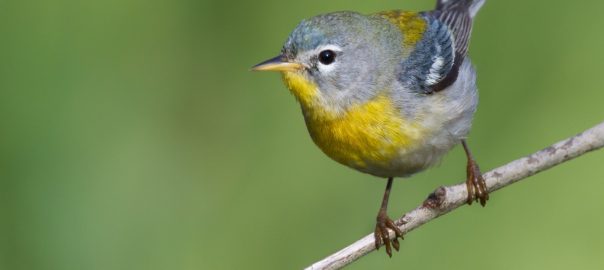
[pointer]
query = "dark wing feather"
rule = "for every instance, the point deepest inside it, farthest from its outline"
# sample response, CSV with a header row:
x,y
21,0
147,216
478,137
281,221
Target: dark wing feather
x,y
457,16
432,60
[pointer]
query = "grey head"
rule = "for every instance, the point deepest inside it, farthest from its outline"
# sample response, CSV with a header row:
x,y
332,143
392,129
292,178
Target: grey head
x,y
349,56
352,57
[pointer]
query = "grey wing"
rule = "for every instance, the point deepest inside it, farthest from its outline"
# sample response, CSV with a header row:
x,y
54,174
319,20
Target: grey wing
x,y
434,64
432,60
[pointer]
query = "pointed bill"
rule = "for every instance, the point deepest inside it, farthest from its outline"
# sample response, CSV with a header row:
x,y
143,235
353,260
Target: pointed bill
x,y
277,64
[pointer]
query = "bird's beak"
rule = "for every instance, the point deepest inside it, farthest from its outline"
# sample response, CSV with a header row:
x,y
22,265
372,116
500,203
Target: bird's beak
x,y
277,64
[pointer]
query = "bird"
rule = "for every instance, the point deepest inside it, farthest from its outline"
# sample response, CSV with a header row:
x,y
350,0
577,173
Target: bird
x,y
388,93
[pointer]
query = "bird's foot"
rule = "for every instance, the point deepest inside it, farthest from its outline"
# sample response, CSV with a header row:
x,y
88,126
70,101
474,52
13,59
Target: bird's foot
x,y
477,188
382,235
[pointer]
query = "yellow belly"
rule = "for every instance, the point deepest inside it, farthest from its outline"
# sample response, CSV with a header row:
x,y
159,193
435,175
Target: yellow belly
x,y
367,135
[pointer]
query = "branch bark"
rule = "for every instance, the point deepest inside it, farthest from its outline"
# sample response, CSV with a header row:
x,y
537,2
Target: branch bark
x,y
447,199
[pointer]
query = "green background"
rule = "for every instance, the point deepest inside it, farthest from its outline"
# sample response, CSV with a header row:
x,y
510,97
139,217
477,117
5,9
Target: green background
x,y
134,136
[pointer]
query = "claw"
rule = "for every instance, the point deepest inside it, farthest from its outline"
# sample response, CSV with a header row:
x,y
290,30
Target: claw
x,y
395,244
386,236
397,231
378,237
383,223
477,187
382,234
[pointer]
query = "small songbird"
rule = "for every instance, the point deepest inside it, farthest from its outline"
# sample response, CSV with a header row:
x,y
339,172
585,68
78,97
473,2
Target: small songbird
x,y
387,94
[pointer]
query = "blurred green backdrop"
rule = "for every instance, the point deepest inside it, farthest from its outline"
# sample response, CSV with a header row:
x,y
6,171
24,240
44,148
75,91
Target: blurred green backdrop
x,y
133,136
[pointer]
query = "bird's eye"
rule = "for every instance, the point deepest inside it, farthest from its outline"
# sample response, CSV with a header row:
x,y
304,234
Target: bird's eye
x,y
327,57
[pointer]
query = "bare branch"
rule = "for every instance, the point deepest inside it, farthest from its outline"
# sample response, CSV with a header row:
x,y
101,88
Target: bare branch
x,y
446,199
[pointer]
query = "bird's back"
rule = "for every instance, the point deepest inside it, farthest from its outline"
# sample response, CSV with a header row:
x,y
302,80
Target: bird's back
x,y
435,43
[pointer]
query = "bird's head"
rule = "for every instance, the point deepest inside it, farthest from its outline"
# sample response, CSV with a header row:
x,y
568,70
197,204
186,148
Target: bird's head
x,y
336,60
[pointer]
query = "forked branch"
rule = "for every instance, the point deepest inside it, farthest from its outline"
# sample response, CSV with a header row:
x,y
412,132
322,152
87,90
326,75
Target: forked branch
x,y
446,199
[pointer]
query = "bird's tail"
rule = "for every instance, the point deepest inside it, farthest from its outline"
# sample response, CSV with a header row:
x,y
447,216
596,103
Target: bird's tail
x,y
470,6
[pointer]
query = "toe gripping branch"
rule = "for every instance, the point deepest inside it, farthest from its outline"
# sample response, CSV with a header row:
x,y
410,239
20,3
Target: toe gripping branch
x,y
382,235
477,191
477,187
383,223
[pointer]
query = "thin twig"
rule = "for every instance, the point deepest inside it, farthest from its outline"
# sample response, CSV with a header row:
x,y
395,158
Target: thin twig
x,y
446,199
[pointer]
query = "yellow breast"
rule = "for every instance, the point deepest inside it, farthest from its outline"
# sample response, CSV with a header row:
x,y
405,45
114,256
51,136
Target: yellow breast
x,y
365,135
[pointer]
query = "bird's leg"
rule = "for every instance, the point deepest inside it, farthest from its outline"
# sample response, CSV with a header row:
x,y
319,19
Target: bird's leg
x,y
477,188
383,223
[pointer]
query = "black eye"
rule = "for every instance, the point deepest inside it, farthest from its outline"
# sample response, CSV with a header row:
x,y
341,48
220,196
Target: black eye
x,y
327,57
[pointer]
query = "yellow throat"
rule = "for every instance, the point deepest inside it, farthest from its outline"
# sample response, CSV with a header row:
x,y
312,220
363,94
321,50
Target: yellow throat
x,y
365,135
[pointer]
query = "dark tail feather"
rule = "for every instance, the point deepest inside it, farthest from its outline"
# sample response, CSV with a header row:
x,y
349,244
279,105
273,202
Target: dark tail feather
x,y
470,6
458,16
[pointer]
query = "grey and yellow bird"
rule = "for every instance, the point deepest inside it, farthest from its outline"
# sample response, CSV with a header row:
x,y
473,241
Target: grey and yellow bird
x,y
387,94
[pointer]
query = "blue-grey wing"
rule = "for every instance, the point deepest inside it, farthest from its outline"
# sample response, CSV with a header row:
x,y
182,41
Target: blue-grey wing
x,y
435,62
432,59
